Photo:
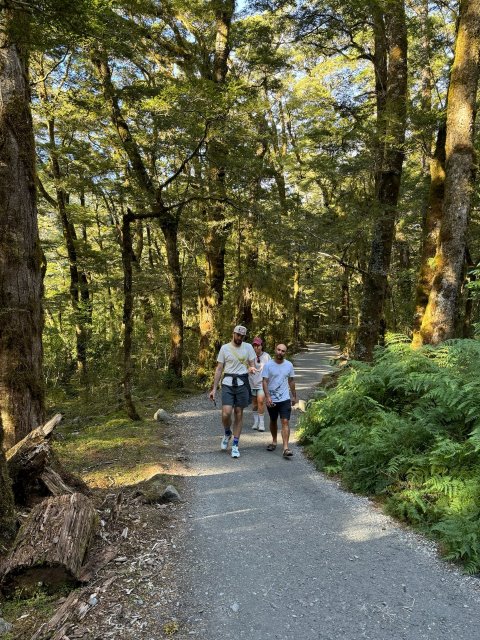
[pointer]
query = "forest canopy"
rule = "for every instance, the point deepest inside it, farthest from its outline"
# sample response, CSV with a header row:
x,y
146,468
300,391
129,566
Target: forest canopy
x,y
298,167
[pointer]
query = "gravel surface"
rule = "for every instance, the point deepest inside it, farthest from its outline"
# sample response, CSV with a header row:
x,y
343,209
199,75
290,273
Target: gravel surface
x,y
273,549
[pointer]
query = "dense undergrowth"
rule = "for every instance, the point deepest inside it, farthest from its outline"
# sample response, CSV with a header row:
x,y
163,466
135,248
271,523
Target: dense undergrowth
x,y
407,429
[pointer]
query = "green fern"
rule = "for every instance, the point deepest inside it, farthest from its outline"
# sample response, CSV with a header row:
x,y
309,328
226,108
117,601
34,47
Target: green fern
x,y
407,428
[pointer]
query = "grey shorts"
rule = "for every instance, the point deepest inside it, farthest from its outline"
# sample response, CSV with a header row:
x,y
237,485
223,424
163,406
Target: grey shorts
x,y
236,396
258,392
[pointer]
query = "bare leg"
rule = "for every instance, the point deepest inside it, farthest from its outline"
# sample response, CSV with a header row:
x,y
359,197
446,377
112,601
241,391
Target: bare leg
x,y
285,433
227,416
260,402
273,431
255,412
238,422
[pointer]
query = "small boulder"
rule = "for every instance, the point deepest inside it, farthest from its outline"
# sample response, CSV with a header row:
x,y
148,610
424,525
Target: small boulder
x,y
161,415
5,626
171,494
153,489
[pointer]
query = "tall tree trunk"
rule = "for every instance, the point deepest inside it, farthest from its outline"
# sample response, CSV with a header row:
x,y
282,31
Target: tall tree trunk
x,y
175,285
211,293
380,68
297,293
439,319
345,299
375,282
467,324
21,376
128,300
79,289
167,219
7,513
430,233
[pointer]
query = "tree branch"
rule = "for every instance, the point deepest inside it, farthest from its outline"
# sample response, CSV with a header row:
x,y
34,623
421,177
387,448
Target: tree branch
x,y
343,263
45,193
186,160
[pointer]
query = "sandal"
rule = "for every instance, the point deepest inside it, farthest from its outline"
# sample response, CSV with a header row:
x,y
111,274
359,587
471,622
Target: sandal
x,y
287,453
271,447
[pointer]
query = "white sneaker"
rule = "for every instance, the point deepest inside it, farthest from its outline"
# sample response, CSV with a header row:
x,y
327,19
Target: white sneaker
x,y
255,421
255,426
235,451
261,426
224,443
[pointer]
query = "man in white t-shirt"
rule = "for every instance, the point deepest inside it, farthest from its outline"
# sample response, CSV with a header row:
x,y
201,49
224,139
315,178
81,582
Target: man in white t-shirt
x,y
235,361
278,384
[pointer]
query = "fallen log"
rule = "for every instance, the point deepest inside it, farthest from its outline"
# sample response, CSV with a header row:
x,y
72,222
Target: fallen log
x,y
51,545
36,436
34,469
27,460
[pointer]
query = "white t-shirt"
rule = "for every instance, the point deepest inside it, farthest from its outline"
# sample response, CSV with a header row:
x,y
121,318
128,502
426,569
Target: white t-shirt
x,y
256,378
278,375
235,360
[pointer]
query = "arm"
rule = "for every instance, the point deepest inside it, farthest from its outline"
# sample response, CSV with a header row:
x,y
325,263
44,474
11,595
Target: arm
x,y
251,360
291,384
216,380
268,398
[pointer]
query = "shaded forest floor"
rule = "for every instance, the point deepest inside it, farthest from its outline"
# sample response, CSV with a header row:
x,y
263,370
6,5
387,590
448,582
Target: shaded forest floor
x,y
135,542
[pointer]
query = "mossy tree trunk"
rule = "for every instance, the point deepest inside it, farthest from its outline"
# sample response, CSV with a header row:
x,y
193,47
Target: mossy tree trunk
x,y
7,513
128,301
21,322
393,122
439,320
430,233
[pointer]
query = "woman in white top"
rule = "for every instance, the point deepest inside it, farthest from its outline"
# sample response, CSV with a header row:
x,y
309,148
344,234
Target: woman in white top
x,y
258,399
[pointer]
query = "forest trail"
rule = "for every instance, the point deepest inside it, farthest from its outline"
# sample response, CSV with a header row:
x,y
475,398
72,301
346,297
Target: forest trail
x,y
274,549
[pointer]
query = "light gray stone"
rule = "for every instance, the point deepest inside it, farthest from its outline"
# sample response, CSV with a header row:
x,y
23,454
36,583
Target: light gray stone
x,y
5,626
161,415
170,494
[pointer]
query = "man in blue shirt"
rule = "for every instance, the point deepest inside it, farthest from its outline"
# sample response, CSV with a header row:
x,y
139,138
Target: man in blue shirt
x,y
278,384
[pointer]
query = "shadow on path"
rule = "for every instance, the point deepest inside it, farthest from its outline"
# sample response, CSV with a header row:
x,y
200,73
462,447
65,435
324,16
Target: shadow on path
x,y
275,550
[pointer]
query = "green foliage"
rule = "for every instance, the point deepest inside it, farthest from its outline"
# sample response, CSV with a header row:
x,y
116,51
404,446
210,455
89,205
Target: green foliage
x,y
407,429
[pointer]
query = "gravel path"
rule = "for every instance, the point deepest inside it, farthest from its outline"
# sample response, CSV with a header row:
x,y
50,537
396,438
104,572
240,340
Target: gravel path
x,y
274,549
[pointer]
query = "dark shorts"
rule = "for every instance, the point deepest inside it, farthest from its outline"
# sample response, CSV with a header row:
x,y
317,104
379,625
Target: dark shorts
x,y
282,409
236,396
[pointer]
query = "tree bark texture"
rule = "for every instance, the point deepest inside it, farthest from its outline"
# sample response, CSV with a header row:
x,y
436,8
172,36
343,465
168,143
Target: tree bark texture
x,y
21,377
394,115
380,68
175,286
51,544
442,309
7,513
430,233
127,257
35,471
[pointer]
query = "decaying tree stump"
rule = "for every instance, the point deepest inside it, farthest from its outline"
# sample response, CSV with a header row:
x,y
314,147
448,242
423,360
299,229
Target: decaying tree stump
x,y
35,471
51,545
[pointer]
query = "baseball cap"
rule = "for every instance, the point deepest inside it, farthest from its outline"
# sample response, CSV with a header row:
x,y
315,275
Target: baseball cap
x,y
240,329
257,340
